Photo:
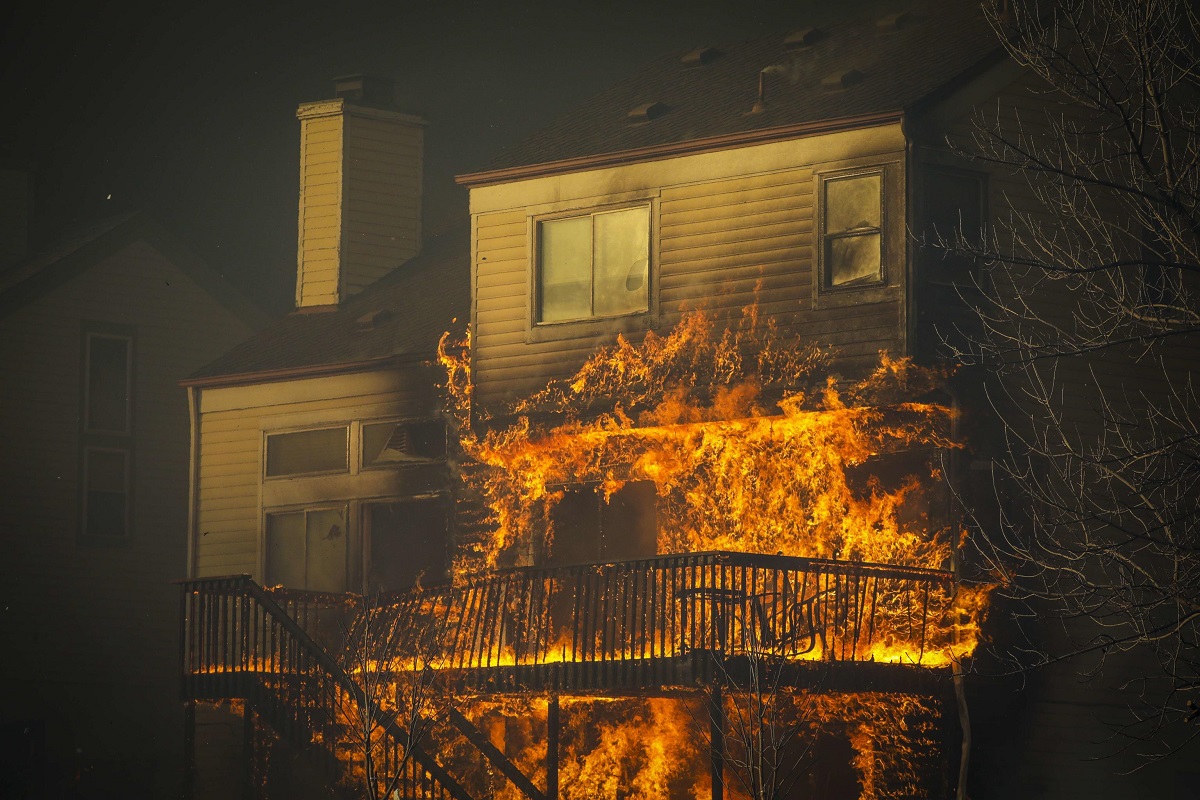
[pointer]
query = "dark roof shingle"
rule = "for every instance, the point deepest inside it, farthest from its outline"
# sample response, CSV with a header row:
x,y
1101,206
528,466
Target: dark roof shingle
x,y
899,63
401,316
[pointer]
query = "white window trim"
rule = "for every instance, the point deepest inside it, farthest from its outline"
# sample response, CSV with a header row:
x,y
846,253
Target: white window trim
x,y
538,331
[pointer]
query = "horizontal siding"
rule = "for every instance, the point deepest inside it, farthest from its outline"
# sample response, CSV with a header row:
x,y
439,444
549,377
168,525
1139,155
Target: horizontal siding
x,y
90,632
321,145
233,427
721,245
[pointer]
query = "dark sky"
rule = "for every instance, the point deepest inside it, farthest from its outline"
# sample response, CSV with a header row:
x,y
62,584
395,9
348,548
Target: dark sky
x,y
188,111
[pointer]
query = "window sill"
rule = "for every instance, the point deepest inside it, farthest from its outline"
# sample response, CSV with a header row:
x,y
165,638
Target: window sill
x,y
574,329
843,298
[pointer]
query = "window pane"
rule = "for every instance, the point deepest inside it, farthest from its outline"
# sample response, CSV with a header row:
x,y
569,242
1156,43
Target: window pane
x,y
400,442
307,451
621,262
285,550
107,383
565,269
408,541
852,203
853,260
326,534
107,493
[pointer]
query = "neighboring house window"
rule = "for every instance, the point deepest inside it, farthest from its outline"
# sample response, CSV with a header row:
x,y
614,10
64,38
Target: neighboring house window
x,y
307,549
106,493
106,435
852,253
308,452
593,265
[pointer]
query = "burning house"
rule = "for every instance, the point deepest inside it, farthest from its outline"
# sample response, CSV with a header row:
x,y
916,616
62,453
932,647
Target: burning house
x,y
664,513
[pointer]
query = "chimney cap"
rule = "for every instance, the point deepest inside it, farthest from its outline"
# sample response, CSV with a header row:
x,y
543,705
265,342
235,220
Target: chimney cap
x,y
374,91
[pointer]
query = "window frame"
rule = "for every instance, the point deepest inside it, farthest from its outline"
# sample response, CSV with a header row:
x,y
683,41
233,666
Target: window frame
x,y
351,538
266,444
363,466
127,486
366,532
891,244
537,330
102,439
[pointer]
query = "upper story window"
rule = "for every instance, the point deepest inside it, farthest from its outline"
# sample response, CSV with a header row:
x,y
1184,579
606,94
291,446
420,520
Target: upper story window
x,y
106,433
308,452
593,265
852,231
107,383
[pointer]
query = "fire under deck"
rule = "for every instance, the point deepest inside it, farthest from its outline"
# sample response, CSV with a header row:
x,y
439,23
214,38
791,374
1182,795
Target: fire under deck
x,y
666,625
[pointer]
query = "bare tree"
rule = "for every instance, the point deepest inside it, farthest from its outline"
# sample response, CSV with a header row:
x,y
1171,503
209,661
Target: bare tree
x,y
1087,315
395,700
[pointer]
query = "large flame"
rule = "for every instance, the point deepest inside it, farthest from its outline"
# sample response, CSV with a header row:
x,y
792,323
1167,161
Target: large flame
x,y
751,444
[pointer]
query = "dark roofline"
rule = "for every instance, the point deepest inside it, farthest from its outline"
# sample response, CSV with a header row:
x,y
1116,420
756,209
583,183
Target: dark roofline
x,y
312,371
688,147
138,227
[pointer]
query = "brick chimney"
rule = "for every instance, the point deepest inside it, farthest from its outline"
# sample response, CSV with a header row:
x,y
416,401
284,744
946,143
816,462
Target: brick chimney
x,y
360,190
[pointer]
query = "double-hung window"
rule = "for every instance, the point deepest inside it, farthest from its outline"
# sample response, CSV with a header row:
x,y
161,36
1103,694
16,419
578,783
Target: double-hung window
x,y
852,231
594,265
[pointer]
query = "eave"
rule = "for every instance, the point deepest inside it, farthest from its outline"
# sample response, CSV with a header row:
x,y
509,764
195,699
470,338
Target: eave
x,y
673,149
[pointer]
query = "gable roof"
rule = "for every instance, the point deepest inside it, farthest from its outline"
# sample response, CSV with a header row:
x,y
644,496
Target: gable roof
x,y
399,318
862,67
83,247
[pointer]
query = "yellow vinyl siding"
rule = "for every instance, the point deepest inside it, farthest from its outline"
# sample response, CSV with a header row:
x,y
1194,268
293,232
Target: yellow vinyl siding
x,y
360,198
729,230
320,210
232,495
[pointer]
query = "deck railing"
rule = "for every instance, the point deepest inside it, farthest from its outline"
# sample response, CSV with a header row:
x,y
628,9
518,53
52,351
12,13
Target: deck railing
x,y
730,604
632,612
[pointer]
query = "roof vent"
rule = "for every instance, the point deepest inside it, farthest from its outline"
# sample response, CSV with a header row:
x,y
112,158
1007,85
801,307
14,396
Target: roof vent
x,y
843,80
648,112
372,319
806,37
898,21
701,56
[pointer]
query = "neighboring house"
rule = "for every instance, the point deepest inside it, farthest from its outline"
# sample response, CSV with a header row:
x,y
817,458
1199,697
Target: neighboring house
x,y
95,332
788,173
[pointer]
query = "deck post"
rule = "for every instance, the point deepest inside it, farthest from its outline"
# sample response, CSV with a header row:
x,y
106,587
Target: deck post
x,y
552,748
716,740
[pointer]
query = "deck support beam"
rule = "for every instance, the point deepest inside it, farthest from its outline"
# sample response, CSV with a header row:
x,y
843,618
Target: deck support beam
x,y
716,740
552,748
495,755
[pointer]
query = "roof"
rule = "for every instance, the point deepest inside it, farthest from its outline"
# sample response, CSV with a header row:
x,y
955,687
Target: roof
x,y
400,317
84,246
857,67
